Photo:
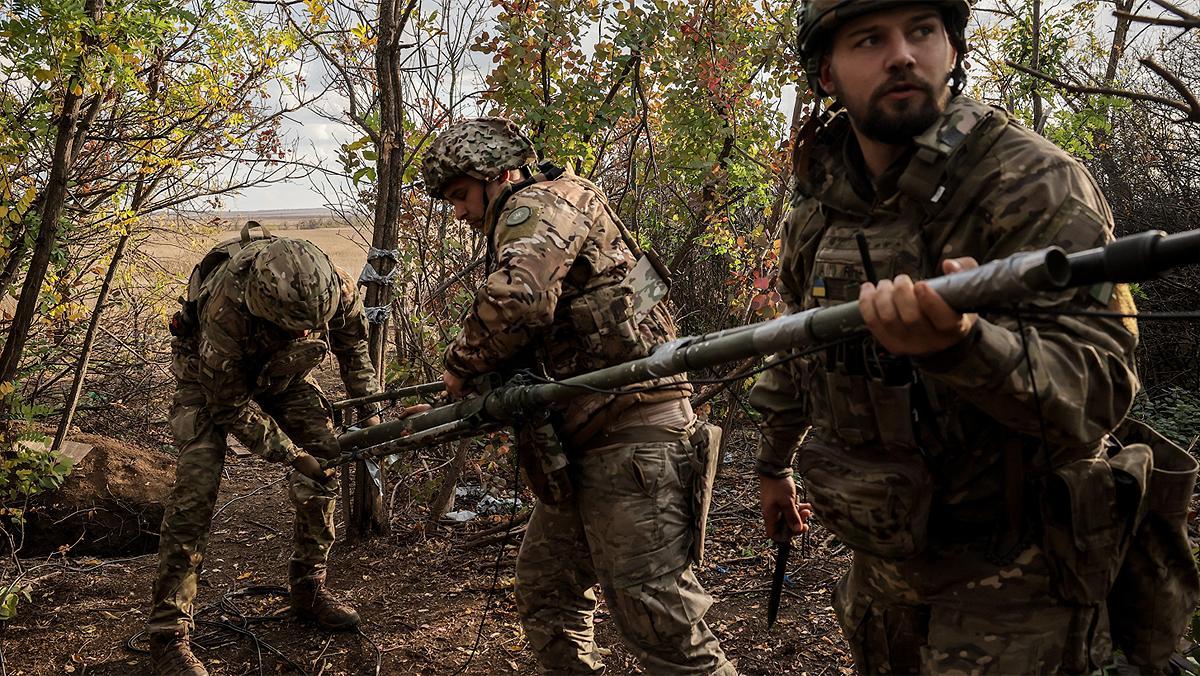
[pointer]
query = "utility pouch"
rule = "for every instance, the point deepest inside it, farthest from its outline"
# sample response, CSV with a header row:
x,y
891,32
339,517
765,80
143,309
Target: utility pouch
x,y
851,408
1081,530
184,322
705,445
893,413
544,463
605,322
1157,588
297,358
875,501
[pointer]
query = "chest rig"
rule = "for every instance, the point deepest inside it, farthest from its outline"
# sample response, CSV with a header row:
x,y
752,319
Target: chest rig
x,y
878,427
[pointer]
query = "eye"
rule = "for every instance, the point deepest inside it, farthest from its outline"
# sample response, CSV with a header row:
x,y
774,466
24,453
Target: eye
x,y
924,31
869,40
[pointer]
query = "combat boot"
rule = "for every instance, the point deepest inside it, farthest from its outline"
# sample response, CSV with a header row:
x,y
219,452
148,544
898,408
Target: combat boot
x,y
312,601
171,655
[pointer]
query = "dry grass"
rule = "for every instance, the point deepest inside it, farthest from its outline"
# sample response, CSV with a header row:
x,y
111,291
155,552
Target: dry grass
x,y
178,253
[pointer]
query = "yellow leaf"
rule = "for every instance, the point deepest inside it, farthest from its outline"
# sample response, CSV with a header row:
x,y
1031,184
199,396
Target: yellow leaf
x,y
77,90
6,388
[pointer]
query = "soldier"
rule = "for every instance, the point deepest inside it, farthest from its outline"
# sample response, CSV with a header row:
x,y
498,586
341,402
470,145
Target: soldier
x,y
558,298
946,449
260,316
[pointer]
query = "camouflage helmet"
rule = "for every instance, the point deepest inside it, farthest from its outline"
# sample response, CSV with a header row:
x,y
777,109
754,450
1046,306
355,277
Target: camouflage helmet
x,y
820,18
481,148
292,284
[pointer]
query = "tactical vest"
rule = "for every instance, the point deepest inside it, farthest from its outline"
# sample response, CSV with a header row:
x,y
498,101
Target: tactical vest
x,y
186,321
609,323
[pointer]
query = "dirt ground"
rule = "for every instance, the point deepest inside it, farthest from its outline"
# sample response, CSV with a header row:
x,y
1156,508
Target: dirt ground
x,y
422,597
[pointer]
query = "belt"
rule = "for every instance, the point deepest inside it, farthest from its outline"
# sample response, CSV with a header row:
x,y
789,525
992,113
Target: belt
x,y
653,423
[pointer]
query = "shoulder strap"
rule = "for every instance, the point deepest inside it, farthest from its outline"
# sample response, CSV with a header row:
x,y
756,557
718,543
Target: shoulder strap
x,y
942,151
220,254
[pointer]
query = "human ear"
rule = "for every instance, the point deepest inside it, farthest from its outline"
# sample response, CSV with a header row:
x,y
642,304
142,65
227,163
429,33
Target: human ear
x,y
825,76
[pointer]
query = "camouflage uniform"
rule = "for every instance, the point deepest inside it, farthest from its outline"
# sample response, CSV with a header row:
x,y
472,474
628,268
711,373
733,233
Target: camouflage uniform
x,y
231,359
551,296
933,469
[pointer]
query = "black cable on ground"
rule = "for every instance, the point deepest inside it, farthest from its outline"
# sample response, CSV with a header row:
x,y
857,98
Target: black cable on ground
x,y
231,620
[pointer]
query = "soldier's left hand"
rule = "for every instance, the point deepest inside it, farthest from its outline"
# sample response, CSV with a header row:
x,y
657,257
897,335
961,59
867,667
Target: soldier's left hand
x,y
910,318
456,387
413,410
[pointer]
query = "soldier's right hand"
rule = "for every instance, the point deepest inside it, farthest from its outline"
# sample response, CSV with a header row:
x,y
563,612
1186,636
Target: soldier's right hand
x,y
310,467
782,515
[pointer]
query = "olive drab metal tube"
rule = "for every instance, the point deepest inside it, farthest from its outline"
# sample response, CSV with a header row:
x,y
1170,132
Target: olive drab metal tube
x,y
999,283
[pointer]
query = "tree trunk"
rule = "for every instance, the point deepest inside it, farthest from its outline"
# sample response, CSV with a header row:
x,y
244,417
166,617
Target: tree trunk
x,y
1039,121
367,515
445,497
54,195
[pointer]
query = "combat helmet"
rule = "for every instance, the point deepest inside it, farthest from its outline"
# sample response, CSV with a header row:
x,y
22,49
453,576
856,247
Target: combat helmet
x,y
481,148
820,18
292,284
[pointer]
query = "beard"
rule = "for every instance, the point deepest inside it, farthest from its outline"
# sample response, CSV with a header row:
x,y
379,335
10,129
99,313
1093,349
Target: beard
x,y
897,122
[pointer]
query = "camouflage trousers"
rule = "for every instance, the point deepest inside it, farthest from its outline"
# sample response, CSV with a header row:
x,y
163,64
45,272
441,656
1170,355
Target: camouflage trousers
x,y
951,611
300,413
629,528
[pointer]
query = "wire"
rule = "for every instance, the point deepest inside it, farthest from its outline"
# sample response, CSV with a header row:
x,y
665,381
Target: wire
x,y
512,517
239,626
1109,314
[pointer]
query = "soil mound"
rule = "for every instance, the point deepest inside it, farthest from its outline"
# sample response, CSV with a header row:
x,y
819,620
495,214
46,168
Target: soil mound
x,y
110,505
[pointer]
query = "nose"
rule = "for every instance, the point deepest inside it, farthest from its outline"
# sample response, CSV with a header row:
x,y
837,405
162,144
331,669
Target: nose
x,y
900,55
460,211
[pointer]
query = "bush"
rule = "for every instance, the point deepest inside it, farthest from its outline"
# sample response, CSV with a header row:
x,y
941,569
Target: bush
x,y
1173,411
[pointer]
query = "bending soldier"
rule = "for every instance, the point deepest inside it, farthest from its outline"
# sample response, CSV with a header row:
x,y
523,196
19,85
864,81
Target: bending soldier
x,y
261,315
558,299
941,441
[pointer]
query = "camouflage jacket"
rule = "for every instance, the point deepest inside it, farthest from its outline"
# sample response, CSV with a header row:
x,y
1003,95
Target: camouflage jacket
x,y
556,248
241,357
975,184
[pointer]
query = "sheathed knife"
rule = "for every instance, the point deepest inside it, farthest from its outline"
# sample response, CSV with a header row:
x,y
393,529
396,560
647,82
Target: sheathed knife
x,y
783,548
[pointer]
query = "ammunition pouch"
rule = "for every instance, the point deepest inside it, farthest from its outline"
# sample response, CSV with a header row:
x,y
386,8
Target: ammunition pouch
x,y
606,326
876,501
1083,525
862,409
296,359
1157,587
544,463
705,450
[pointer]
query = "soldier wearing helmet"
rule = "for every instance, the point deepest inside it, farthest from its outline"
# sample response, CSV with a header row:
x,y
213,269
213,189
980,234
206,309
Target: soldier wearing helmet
x,y
260,315
950,451
615,473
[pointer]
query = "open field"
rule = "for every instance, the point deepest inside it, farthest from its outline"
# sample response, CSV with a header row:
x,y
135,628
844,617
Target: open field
x,y
178,253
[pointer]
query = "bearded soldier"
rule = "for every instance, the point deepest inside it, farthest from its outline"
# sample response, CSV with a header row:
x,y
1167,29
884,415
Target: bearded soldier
x,y
260,315
949,450
560,299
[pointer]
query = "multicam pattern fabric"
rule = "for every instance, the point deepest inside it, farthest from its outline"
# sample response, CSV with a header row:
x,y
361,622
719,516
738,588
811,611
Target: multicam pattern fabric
x,y
292,284
567,250
1000,189
231,361
605,536
555,296
480,148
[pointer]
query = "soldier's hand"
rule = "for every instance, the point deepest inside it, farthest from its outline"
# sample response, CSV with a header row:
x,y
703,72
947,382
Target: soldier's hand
x,y
456,387
369,422
779,508
910,318
413,410
310,467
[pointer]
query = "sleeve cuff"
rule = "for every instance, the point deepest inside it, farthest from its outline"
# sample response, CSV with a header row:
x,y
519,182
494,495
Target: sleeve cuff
x,y
985,355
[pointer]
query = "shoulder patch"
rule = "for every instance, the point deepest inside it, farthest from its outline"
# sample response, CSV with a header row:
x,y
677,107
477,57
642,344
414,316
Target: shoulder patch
x,y
518,216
